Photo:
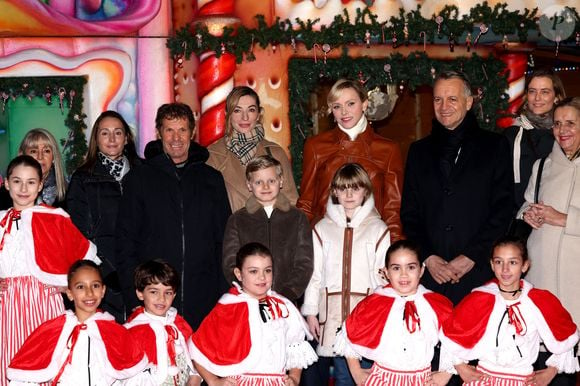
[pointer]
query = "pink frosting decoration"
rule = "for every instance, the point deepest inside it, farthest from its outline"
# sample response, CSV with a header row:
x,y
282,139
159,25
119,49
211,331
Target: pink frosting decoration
x,y
139,13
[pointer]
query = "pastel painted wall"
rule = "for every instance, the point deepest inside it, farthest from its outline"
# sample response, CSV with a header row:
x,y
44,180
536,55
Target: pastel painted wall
x,y
118,45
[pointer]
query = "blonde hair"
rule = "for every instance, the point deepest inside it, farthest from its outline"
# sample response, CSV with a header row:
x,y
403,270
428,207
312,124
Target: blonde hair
x,y
350,175
263,162
343,84
232,101
31,139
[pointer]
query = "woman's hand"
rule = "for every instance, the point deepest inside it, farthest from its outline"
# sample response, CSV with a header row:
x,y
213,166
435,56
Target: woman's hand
x,y
440,378
469,373
290,381
360,376
194,380
533,218
313,326
542,377
228,381
547,214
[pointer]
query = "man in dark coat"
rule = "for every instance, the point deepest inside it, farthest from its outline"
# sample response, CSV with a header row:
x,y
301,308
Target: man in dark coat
x,y
458,192
175,208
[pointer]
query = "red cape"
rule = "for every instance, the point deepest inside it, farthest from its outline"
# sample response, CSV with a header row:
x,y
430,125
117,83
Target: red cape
x,y
124,357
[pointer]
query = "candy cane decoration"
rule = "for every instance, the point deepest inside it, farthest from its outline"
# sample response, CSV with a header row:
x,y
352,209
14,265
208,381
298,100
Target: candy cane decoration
x,y
215,76
516,64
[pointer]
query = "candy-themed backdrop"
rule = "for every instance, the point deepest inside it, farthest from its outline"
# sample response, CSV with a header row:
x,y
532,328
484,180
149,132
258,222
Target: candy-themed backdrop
x,y
74,59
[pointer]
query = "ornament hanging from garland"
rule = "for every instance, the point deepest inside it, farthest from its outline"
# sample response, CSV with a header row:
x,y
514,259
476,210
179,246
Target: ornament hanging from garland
x,y
74,147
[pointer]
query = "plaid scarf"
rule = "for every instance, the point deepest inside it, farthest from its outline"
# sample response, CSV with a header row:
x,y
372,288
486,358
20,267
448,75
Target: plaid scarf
x,y
244,146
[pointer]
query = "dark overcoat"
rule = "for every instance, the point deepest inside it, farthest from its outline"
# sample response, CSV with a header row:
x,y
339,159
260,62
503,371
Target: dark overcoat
x,y
180,218
463,213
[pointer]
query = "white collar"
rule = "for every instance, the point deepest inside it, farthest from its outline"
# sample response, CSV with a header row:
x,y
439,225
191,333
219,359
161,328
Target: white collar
x,y
354,131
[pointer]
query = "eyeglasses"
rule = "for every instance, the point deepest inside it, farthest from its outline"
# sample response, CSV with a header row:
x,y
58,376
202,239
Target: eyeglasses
x,y
567,125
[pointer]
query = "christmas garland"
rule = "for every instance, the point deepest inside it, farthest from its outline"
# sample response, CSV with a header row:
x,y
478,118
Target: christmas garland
x,y
448,26
416,69
64,91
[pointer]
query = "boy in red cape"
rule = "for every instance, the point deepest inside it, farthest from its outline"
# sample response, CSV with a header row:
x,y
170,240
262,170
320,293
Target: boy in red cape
x,y
159,329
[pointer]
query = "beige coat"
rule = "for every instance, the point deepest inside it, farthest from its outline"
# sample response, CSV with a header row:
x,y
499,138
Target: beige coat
x,y
347,259
234,172
555,251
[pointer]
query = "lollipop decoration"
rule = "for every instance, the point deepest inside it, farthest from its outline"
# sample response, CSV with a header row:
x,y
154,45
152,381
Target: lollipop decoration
x,y
61,95
439,21
468,42
482,31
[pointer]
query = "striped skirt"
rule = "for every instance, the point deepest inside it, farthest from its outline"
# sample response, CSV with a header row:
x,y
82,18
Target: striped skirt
x,y
249,379
499,379
382,376
25,303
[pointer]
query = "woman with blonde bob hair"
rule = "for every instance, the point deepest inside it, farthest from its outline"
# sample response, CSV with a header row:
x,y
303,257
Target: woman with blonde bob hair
x,y
352,140
41,145
244,140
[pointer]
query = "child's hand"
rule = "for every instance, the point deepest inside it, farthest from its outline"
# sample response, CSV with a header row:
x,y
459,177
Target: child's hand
x,y
469,373
228,381
542,377
440,378
290,381
194,380
313,326
360,376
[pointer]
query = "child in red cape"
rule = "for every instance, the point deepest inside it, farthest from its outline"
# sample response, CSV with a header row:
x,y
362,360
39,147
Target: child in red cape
x,y
253,337
84,347
502,323
397,326
38,244
159,329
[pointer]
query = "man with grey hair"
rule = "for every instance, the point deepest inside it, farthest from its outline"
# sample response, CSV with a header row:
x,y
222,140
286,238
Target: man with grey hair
x,y
457,195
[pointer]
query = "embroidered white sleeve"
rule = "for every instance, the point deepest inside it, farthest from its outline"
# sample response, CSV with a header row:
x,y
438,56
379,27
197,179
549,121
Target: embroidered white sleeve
x,y
300,355
565,363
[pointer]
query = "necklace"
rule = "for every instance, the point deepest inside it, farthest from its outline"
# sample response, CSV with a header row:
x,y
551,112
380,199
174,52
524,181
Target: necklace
x,y
514,292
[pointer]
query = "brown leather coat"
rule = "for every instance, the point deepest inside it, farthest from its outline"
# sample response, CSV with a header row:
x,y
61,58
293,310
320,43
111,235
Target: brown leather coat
x,y
381,158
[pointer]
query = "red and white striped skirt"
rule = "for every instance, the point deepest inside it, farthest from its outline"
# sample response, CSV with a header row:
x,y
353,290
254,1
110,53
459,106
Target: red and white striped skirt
x,y
382,376
499,379
25,304
250,379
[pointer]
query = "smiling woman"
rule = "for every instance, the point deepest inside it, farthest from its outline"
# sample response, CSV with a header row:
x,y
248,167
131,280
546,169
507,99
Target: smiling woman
x,y
95,190
245,140
531,137
555,239
352,138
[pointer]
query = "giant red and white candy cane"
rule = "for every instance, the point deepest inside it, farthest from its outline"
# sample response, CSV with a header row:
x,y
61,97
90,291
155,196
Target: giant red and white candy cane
x,y
215,76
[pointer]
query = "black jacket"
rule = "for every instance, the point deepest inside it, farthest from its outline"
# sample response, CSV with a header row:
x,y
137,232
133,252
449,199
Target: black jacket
x,y
535,144
92,200
179,218
463,213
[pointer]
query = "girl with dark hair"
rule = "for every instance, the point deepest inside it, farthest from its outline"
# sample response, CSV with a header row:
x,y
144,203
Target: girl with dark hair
x,y
37,246
253,336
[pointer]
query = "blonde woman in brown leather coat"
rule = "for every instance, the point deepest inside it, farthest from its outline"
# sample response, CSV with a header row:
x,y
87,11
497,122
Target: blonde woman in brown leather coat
x,y
353,140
